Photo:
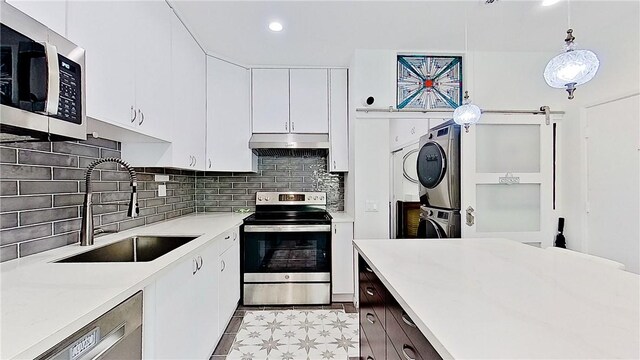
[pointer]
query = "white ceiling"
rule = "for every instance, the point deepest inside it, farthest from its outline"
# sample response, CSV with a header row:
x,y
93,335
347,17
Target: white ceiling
x,y
326,33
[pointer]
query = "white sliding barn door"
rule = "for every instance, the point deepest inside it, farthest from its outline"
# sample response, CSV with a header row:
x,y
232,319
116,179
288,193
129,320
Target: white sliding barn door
x,y
507,179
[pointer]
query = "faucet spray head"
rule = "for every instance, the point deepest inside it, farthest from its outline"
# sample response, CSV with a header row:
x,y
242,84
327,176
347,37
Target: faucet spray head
x,y
133,203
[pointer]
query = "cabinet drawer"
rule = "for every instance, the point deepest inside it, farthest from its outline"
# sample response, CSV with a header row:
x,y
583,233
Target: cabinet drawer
x,y
365,349
363,269
373,327
227,239
415,336
392,354
401,341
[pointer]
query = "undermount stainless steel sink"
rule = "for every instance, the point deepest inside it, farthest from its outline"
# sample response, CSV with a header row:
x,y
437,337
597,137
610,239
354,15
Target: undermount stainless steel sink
x,y
133,249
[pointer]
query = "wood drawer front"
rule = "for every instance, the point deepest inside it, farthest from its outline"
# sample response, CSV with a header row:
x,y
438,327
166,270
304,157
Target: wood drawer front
x,y
392,354
371,325
365,349
363,269
419,341
400,341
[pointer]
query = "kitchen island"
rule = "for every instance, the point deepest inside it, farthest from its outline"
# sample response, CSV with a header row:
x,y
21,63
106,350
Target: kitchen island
x,y
500,299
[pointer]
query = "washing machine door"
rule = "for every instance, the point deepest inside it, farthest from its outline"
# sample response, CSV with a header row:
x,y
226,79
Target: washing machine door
x,y
431,165
429,229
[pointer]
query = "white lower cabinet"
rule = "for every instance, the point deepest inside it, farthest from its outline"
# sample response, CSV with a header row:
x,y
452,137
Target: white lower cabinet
x,y
229,280
186,318
187,309
342,261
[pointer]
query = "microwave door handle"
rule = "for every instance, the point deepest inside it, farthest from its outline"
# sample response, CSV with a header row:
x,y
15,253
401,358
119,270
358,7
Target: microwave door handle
x,y
53,83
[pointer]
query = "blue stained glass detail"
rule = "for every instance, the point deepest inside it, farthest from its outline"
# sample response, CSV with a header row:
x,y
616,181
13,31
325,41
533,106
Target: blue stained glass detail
x,y
429,82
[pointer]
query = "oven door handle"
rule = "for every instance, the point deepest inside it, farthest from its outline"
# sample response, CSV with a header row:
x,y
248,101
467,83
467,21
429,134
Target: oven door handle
x,y
286,228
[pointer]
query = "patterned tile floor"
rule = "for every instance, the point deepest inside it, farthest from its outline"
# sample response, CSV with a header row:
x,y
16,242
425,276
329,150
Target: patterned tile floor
x,y
300,333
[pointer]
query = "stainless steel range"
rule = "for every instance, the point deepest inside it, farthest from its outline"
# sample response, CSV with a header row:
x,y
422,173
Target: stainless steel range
x,y
286,250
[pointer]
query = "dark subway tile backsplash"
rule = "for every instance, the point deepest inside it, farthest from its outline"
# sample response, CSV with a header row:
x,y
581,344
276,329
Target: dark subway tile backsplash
x,y
216,192
42,190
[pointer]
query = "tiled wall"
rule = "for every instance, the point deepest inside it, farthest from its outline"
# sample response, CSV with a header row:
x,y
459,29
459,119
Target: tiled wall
x,y
42,187
42,190
232,191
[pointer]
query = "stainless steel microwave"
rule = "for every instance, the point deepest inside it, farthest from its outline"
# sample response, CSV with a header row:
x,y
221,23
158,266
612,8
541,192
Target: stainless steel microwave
x,y
42,81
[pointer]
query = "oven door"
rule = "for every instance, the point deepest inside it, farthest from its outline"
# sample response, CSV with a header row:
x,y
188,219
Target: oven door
x,y
287,253
286,264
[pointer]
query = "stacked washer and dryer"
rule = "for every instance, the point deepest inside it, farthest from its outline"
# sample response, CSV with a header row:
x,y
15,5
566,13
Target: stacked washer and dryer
x,y
438,167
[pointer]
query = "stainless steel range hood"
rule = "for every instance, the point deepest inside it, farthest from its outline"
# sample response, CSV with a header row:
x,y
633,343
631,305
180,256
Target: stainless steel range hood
x,y
285,144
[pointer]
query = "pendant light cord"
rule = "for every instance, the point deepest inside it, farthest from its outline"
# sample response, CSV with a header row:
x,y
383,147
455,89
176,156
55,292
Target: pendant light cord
x,y
568,14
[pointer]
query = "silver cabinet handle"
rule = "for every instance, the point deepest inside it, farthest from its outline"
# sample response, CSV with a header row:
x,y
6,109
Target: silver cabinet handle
x,y
370,358
190,160
407,320
224,265
406,347
334,164
209,163
134,114
195,161
201,262
195,266
335,229
371,318
369,291
141,117
227,237
235,236
293,126
286,126
368,269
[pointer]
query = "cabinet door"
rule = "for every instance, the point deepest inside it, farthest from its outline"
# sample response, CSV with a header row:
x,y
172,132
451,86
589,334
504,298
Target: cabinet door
x,y
207,291
186,312
152,68
342,258
188,98
270,100
338,124
175,315
229,266
105,30
308,97
228,117
50,13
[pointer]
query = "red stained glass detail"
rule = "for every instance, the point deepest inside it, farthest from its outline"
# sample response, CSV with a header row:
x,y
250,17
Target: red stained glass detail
x,y
428,83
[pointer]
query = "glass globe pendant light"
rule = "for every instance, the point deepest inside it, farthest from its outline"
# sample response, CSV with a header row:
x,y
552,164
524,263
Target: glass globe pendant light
x,y
467,114
573,67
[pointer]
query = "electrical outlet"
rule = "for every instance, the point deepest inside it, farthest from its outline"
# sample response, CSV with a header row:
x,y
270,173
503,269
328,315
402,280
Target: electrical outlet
x,y
162,190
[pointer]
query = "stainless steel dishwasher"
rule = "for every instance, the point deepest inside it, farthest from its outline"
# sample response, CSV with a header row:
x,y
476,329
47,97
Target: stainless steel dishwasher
x,y
115,335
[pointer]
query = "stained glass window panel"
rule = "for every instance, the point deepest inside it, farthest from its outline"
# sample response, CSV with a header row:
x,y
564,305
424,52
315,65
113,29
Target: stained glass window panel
x,y
429,82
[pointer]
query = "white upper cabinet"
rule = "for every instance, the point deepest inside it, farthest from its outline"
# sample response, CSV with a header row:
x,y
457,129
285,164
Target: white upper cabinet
x,y
52,13
107,32
152,68
188,99
228,117
270,100
308,101
338,121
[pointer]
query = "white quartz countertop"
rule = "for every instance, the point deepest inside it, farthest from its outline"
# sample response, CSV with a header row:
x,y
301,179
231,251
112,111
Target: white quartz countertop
x,y
341,216
43,302
500,299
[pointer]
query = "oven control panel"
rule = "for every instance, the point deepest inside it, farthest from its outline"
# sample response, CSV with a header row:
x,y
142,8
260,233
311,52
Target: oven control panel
x,y
291,198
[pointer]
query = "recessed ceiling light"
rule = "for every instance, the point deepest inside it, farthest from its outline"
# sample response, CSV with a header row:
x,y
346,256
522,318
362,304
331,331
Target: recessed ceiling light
x,y
275,26
549,2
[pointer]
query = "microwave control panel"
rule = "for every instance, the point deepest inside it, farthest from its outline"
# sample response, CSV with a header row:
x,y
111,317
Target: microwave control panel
x,y
70,103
